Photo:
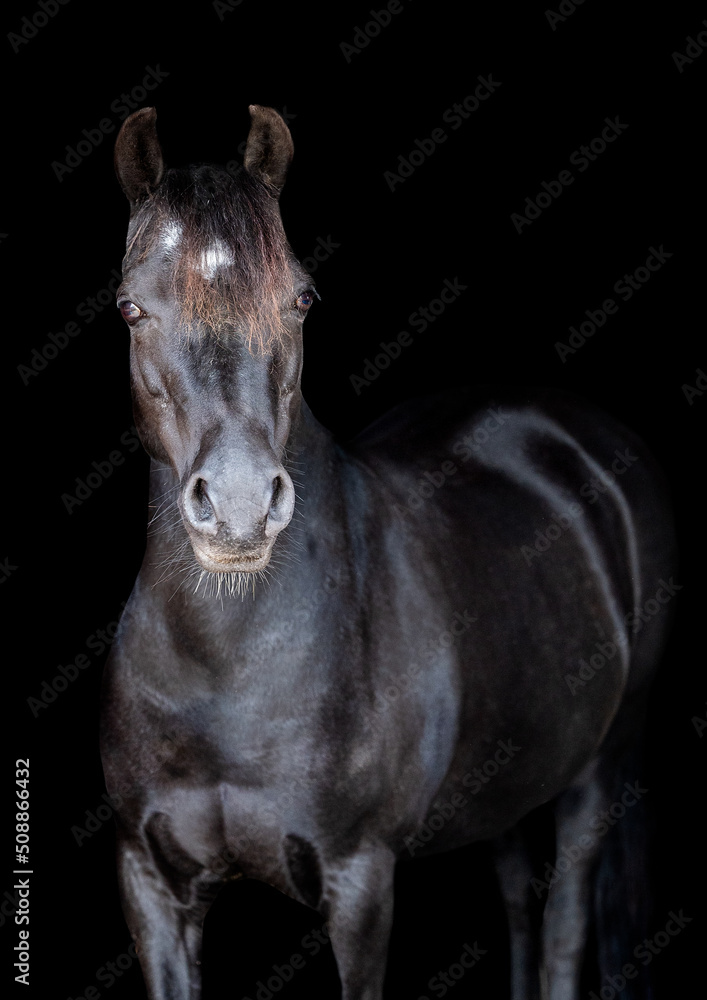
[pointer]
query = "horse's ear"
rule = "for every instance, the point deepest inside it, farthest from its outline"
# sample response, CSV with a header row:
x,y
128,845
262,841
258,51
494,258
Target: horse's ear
x,y
138,156
269,148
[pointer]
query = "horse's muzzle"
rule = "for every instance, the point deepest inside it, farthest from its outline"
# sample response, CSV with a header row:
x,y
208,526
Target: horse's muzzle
x,y
233,525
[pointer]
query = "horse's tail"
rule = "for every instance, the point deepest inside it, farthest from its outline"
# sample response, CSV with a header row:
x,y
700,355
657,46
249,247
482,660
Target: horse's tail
x,y
623,900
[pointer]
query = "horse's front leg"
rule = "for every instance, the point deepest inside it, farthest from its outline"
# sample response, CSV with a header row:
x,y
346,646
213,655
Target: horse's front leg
x,y
358,904
165,917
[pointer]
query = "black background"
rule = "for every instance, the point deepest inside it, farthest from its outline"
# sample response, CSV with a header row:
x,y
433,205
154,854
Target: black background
x,y
67,573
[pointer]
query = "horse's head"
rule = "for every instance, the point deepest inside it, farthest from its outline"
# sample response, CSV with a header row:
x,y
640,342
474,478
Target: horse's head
x,y
215,300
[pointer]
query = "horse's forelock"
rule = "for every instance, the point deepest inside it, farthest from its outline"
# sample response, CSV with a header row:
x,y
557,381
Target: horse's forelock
x,y
222,239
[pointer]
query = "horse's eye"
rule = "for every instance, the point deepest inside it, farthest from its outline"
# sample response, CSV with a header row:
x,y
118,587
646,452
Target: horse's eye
x,y
304,301
130,312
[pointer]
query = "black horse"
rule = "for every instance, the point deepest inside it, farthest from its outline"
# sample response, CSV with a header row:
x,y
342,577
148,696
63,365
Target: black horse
x,y
457,621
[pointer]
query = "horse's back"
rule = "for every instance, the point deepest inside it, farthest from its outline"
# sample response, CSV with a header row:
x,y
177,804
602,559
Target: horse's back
x,y
445,460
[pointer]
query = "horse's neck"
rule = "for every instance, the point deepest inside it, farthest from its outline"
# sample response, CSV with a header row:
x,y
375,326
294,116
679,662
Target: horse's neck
x,y
310,443
317,465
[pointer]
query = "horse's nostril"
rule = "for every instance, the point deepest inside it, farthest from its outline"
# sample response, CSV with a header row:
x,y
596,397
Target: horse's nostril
x,y
281,504
201,505
198,509
277,488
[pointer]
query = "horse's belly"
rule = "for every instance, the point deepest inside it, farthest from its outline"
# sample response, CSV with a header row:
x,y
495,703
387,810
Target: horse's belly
x,y
533,751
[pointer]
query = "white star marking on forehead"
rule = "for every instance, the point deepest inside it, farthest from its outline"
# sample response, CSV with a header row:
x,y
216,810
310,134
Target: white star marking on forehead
x,y
171,236
215,256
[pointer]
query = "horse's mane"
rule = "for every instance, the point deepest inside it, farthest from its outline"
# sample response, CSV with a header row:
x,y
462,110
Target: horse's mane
x,y
205,207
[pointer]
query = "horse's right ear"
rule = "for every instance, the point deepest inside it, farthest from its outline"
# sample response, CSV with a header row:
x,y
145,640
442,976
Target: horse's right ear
x,y
138,156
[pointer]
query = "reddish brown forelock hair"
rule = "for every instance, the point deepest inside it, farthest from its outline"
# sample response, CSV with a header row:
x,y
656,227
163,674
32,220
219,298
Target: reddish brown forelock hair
x,y
247,294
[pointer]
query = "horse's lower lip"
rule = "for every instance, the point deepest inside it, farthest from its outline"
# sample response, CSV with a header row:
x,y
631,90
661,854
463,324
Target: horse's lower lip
x,y
232,563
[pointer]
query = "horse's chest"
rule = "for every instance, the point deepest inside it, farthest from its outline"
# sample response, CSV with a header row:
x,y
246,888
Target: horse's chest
x,y
224,828
231,790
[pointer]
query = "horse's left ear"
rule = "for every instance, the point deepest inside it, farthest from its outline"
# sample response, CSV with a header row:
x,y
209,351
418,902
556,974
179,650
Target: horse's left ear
x,y
138,156
269,149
